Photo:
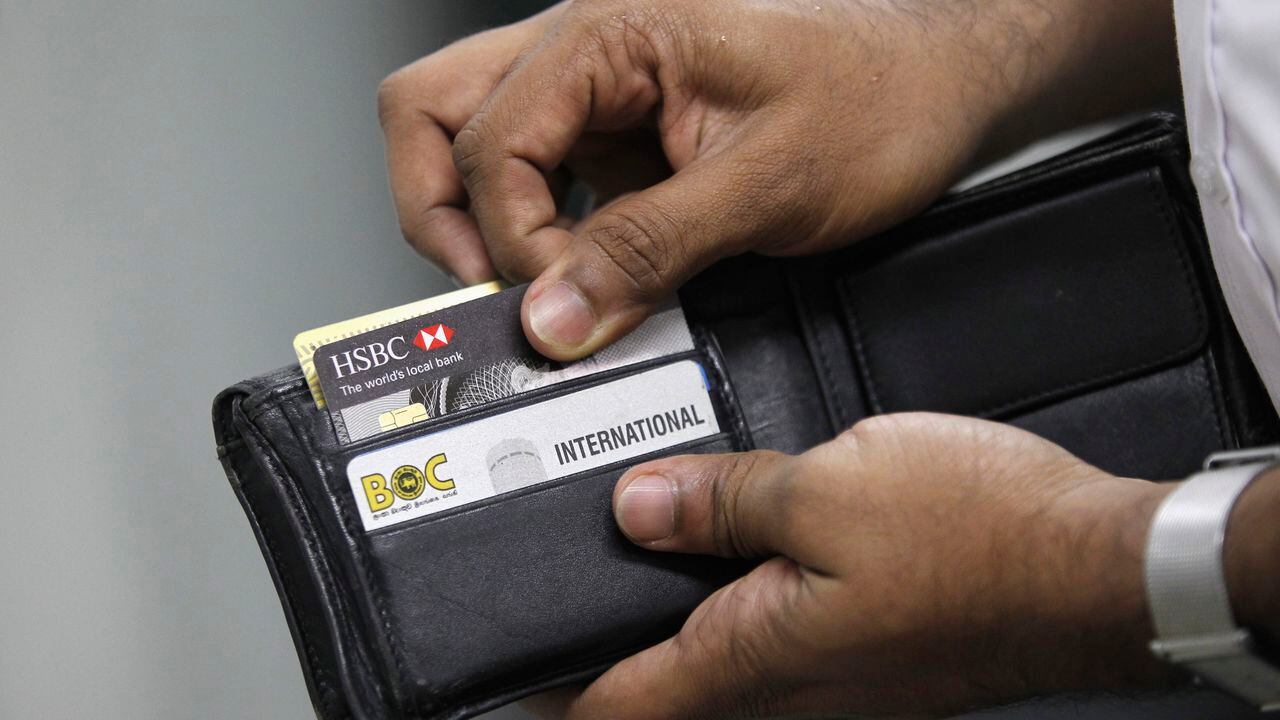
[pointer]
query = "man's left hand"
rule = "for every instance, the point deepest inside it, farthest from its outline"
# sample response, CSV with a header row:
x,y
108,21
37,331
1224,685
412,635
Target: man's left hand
x,y
918,564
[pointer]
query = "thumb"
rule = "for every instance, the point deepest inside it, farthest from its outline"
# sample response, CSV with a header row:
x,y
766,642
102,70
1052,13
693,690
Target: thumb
x,y
632,255
731,505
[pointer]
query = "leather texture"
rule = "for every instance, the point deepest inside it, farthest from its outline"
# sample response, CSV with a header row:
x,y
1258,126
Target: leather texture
x,y
1074,299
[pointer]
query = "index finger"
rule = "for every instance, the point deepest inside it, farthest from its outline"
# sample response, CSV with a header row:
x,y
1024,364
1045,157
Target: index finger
x,y
527,127
422,107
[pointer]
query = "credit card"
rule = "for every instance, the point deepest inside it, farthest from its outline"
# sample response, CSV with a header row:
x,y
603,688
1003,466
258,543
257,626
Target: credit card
x,y
583,430
306,343
460,357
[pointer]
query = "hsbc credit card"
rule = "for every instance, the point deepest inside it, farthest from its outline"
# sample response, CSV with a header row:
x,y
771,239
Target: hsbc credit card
x,y
461,357
617,420
306,343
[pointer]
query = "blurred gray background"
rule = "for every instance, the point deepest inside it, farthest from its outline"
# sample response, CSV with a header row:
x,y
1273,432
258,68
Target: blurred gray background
x,y
183,187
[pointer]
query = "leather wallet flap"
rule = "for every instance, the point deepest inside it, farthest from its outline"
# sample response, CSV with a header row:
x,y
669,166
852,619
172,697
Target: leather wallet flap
x,y
1060,308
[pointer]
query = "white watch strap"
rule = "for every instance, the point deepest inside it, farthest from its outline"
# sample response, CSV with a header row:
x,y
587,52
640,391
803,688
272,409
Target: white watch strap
x,y
1187,588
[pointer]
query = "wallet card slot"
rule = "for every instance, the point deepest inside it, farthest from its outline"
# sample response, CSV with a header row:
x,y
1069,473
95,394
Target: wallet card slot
x,y
378,583
720,439
496,407
546,437
493,593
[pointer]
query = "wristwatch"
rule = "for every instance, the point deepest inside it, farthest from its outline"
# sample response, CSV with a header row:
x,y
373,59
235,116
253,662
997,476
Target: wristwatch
x,y
1186,586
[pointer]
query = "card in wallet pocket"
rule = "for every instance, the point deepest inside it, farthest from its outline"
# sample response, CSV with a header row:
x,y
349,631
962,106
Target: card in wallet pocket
x,y
441,568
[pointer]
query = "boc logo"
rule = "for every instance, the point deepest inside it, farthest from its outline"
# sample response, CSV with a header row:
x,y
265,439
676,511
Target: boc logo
x,y
408,482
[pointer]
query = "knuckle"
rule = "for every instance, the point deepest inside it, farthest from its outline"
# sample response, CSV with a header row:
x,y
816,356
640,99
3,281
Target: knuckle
x,y
614,38
419,229
729,532
392,96
643,246
726,535
888,447
413,234
871,433
469,146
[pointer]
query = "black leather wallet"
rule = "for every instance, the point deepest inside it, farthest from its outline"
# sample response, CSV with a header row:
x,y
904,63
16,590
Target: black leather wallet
x,y
1075,299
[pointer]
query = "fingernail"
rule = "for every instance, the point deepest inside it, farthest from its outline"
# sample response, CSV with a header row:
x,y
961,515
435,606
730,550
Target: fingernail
x,y
646,509
561,316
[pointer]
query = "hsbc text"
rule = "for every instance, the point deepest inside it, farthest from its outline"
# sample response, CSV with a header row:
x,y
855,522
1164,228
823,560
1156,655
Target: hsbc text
x,y
373,355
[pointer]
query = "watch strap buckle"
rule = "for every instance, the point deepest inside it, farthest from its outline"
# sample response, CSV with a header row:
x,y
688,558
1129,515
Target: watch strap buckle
x,y
1247,456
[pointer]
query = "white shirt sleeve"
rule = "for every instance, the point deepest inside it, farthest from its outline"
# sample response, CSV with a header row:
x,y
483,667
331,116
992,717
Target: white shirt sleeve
x,y
1230,57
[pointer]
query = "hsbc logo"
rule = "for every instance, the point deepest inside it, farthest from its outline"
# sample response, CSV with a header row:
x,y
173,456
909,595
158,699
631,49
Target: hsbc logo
x,y
433,336
376,354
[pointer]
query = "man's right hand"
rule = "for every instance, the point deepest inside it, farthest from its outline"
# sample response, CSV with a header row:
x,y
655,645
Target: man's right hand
x,y
717,128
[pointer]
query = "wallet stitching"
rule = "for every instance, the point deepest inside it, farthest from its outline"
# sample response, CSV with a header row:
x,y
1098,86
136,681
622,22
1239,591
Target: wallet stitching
x,y
714,361
597,663
304,624
735,422
1222,400
278,397
1197,302
1040,189
1156,136
307,442
370,579
271,547
864,359
826,375
305,436
1203,368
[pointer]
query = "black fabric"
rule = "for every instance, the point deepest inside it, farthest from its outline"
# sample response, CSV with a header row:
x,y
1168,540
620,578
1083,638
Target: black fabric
x,y
1074,299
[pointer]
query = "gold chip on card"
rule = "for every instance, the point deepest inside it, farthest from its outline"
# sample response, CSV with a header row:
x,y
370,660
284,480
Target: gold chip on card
x,y
407,415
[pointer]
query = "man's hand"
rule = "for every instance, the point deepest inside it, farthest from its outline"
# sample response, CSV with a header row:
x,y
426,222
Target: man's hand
x,y
921,564
717,128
